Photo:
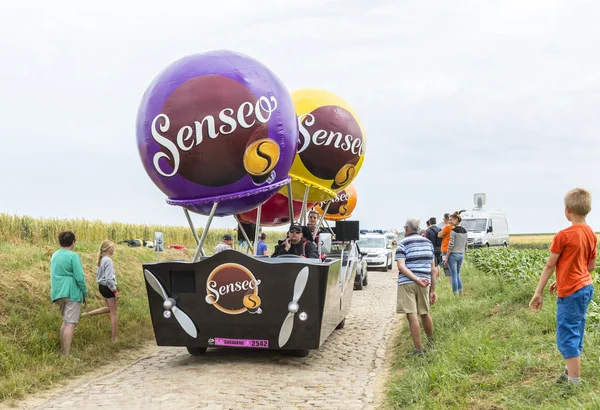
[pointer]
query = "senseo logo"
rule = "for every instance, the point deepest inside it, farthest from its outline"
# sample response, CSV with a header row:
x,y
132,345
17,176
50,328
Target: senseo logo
x,y
233,289
339,206
212,140
330,144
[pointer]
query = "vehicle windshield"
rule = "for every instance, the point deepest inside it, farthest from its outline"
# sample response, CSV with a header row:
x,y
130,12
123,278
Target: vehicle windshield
x,y
474,225
374,242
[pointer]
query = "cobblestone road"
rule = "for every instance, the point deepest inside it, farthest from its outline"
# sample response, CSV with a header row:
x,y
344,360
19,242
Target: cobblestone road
x,y
348,371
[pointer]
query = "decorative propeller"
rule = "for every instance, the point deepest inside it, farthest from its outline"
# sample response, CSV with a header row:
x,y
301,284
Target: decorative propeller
x,y
170,304
293,307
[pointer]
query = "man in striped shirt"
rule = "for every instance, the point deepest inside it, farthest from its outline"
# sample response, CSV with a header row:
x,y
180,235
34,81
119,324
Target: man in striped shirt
x,y
416,283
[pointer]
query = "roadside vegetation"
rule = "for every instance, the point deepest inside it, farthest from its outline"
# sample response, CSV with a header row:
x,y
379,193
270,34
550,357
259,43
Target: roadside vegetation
x,y
491,351
29,322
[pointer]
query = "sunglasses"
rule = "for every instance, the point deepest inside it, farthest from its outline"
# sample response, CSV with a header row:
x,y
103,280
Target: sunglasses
x,y
295,231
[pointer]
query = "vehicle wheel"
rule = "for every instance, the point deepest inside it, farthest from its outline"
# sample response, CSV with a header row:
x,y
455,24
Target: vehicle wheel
x,y
390,265
341,324
505,245
359,285
365,281
196,351
487,245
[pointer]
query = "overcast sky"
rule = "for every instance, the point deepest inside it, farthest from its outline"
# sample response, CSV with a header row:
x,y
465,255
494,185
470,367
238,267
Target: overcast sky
x,y
456,97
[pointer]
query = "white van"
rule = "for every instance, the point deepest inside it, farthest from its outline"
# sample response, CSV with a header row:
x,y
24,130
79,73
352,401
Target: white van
x,y
485,228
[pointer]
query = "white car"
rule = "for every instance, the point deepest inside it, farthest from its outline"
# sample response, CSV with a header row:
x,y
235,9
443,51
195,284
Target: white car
x,y
378,249
392,238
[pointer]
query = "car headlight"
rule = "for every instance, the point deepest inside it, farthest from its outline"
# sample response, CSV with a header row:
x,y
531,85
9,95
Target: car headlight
x,y
478,240
381,254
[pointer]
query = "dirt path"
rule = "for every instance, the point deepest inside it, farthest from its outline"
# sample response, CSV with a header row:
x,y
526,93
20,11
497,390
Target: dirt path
x,y
349,371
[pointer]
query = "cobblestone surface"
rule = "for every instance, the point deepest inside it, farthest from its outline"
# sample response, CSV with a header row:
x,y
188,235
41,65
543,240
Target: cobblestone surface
x,y
348,371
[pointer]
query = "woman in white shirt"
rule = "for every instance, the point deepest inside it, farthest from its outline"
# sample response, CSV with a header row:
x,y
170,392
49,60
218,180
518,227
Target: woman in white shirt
x,y
107,285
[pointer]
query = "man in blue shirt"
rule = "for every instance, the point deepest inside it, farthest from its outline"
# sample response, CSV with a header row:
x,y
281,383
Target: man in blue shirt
x,y
262,248
416,283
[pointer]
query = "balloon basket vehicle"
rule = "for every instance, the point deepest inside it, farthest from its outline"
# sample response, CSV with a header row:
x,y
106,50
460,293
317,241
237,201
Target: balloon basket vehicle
x,y
235,300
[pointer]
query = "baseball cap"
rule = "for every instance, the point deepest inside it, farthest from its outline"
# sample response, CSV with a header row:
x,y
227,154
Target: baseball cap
x,y
295,227
227,237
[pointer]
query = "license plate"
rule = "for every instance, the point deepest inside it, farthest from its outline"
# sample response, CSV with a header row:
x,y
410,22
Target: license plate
x,y
257,344
369,260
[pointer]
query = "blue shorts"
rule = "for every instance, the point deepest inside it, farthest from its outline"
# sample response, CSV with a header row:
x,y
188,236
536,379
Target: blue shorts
x,y
570,321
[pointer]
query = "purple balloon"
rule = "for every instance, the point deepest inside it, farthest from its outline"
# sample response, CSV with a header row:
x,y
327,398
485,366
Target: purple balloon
x,y
217,127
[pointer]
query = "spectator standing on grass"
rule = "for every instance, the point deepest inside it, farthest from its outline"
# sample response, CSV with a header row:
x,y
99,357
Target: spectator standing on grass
x,y
67,287
444,234
426,229
573,254
262,248
107,285
226,243
432,234
457,247
416,284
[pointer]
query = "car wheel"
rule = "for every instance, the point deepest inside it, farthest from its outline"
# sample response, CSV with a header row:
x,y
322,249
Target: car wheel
x,y
505,245
365,281
196,351
487,245
342,324
390,265
359,285
300,352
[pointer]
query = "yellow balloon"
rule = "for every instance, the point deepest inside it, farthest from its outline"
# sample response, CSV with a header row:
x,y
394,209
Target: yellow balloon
x,y
331,145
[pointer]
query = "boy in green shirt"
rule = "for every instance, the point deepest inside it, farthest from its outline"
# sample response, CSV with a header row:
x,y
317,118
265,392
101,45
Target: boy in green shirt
x,y
67,287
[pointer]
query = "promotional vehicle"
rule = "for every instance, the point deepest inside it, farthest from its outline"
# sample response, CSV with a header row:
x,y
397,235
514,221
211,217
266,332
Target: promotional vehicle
x,y
378,249
220,135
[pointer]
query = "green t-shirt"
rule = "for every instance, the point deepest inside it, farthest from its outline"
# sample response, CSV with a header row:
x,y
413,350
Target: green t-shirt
x,y
66,276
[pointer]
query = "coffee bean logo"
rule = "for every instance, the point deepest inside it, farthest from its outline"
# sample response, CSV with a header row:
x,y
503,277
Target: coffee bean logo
x,y
261,157
343,209
252,302
206,127
330,143
344,175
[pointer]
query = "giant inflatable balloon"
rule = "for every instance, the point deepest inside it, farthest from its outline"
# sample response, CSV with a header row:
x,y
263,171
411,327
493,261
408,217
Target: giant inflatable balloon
x,y
274,212
217,127
331,145
341,207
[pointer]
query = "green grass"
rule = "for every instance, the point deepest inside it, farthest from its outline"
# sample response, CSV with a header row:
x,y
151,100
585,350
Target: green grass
x,y
491,353
29,322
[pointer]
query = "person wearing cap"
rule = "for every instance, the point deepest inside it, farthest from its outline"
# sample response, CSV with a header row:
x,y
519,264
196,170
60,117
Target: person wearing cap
x,y
296,244
226,243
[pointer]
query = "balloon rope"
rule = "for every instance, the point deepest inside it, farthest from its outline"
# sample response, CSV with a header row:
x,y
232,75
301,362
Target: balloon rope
x,y
290,203
200,251
304,206
241,228
323,216
257,230
189,219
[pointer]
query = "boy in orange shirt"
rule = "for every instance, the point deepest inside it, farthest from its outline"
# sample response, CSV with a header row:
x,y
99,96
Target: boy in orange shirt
x,y
573,254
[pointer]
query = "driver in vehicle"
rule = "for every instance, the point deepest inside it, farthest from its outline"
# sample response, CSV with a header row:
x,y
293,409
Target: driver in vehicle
x,y
296,244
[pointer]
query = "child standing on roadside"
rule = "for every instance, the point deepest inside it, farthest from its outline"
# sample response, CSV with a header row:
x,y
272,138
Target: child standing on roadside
x,y
107,285
573,254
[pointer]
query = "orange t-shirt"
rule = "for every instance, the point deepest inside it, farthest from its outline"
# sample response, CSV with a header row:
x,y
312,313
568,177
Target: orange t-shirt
x,y
576,246
446,237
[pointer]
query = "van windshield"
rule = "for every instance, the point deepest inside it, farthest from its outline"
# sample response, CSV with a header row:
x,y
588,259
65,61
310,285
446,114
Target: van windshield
x,y
474,225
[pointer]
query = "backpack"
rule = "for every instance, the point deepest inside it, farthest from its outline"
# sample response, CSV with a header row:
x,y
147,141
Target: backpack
x,y
437,244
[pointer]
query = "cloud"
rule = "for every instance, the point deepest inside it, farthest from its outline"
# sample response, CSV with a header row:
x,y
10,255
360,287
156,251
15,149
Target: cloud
x,y
456,98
